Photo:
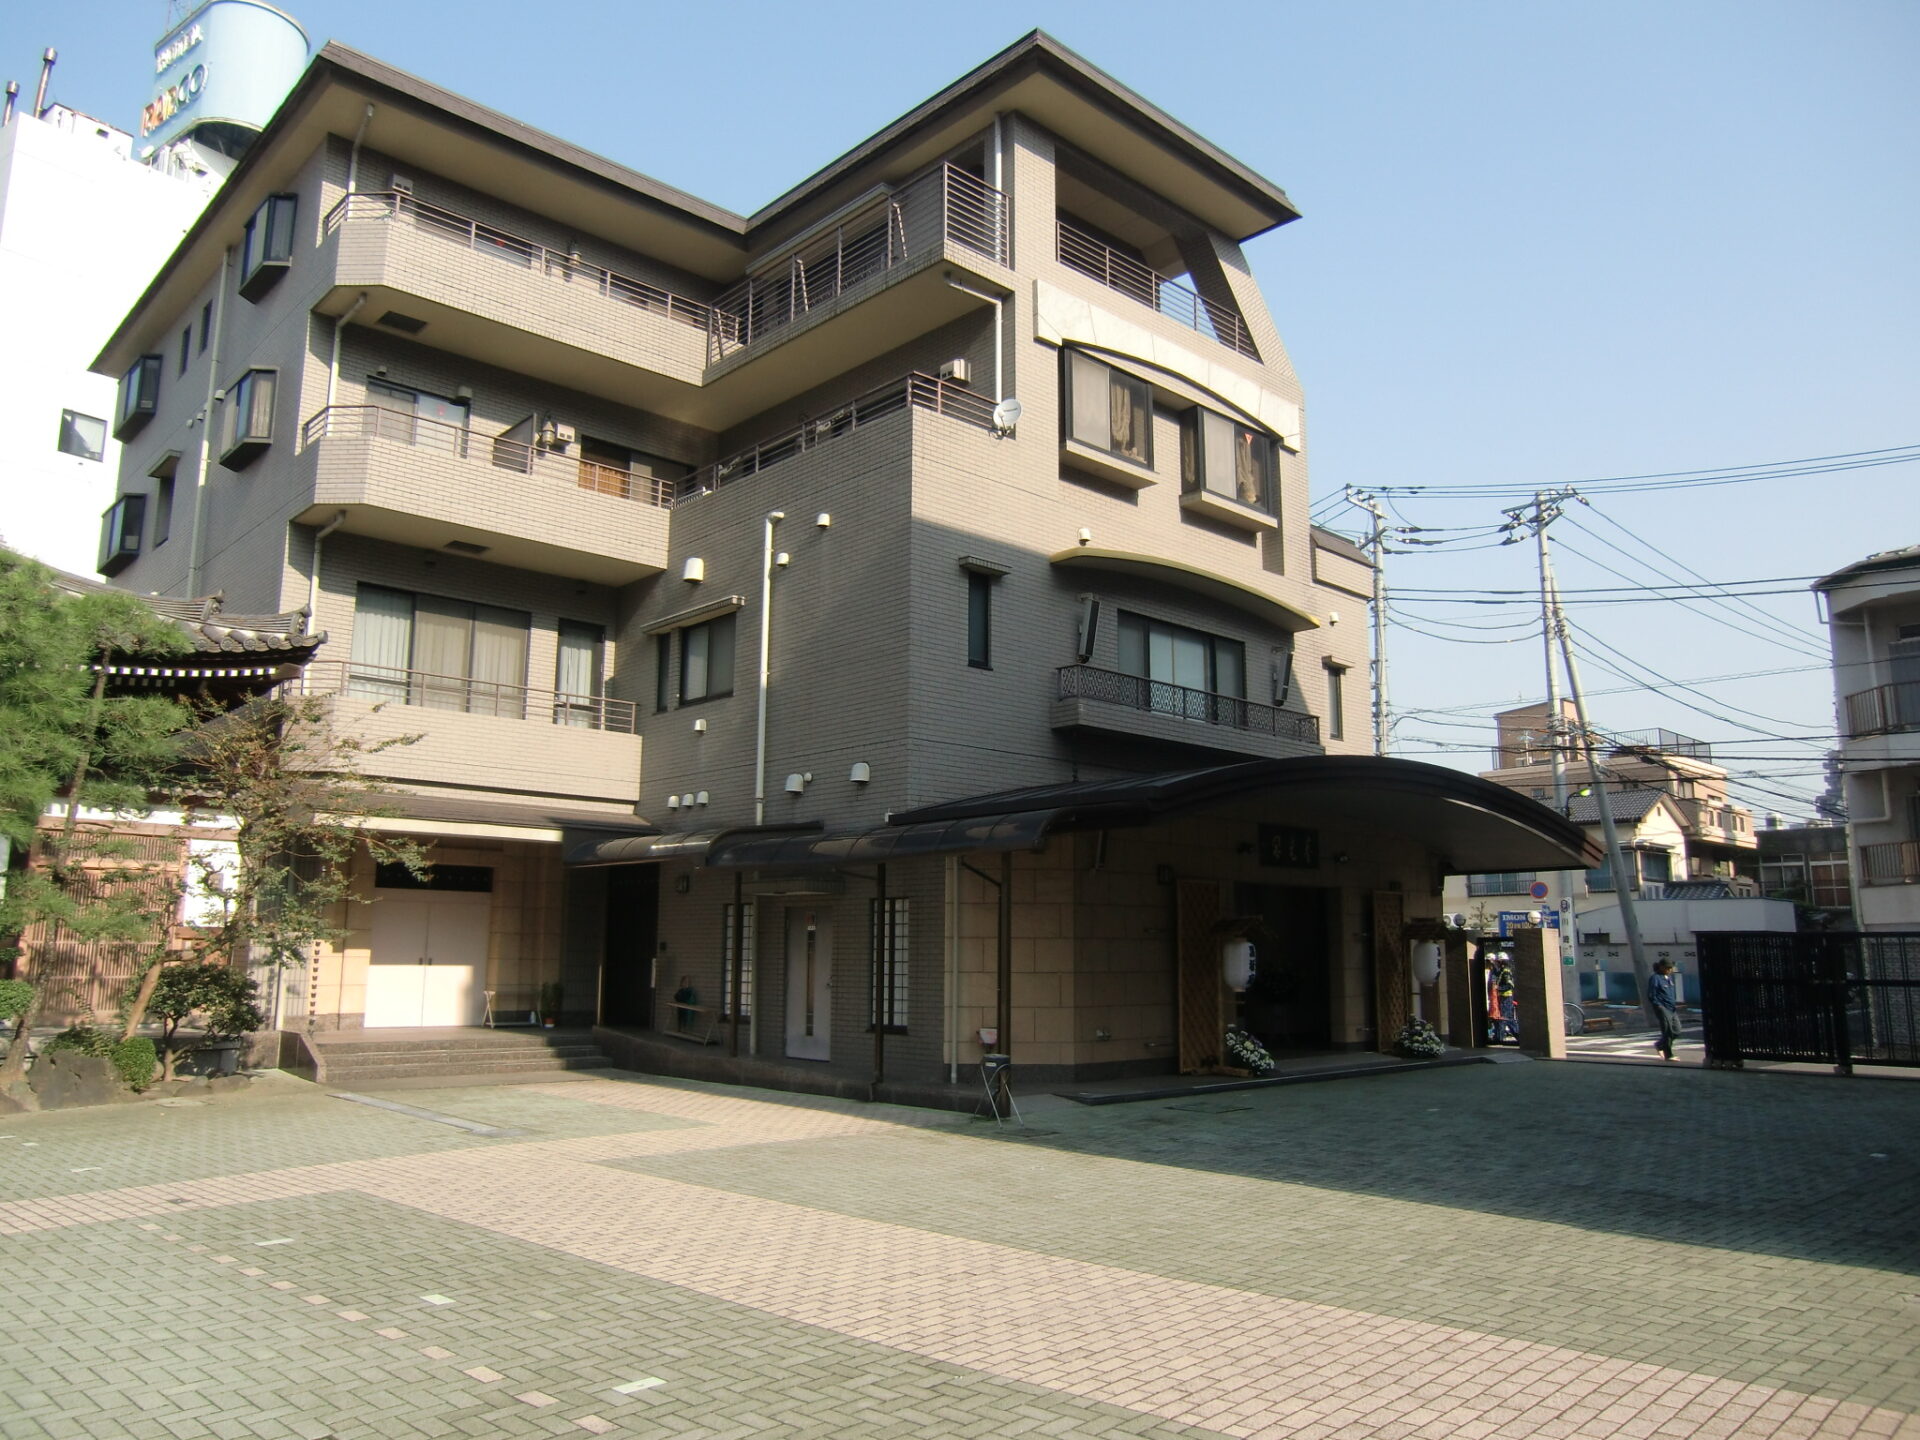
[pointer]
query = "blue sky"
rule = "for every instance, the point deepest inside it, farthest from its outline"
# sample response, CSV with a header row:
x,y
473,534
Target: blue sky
x,y
1542,244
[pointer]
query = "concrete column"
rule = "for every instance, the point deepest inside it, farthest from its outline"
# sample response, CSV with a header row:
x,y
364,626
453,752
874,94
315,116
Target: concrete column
x,y
1536,988
1464,1010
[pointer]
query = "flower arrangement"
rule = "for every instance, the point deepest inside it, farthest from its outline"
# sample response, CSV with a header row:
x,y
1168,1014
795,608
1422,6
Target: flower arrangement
x,y
1247,1053
1419,1040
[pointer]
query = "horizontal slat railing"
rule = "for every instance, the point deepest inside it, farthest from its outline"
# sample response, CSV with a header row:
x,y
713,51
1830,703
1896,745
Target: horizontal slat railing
x,y
1883,708
924,392
1897,862
899,227
559,266
516,456
1162,293
1136,692
474,697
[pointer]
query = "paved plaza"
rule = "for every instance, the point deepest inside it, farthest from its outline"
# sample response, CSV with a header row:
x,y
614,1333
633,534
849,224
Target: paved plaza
x,y
1521,1249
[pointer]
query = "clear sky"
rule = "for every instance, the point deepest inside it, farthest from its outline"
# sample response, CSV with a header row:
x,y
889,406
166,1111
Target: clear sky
x,y
1542,244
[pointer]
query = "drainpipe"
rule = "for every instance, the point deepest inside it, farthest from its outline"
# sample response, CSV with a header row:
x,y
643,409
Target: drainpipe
x,y
313,578
333,359
353,152
206,424
953,970
774,517
882,987
999,329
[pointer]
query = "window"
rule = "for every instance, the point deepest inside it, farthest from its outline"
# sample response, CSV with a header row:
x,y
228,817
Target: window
x,y
139,396
1189,672
706,660
888,947
577,676
1510,882
82,435
1223,458
979,620
415,417
443,654
206,325
663,671
1602,878
1656,865
247,419
266,250
746,959
120,533
186,348
162,510
1830,883
1336,702
1109,410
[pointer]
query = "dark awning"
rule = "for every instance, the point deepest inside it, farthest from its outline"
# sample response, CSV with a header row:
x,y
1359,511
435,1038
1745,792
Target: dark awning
x,y
1021,830
694,845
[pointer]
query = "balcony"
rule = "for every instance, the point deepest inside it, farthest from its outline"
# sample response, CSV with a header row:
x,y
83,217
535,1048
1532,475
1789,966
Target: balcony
x,y
1884,710
945,214
1897,862
1163,294
516,737
429,484
504,299
1143,709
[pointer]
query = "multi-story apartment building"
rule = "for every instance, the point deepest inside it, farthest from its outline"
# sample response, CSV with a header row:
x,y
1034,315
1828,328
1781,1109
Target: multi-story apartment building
x,y
1873,616
966,721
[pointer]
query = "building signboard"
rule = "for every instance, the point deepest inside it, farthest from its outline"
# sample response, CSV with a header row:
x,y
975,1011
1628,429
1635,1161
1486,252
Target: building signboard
x,y
231,62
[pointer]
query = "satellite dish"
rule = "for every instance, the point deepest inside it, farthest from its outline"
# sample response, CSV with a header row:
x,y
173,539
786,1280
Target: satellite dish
x,y
1006,414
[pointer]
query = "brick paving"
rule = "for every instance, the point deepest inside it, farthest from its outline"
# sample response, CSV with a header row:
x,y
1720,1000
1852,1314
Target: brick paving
x,y
1516,1250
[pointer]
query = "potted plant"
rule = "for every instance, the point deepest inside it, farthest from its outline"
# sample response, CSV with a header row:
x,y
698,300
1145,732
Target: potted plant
x,y
223,997
551,994
1246,1053
1419,1041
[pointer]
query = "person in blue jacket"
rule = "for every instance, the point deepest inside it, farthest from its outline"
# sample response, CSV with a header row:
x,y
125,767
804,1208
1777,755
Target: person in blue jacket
x,y
1664,995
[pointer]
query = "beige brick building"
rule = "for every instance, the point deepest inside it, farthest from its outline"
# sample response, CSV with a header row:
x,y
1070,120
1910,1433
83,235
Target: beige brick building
x,y
733,594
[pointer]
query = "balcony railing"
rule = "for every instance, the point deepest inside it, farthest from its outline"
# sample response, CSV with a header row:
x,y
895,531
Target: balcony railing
x,y
1895,863
896,229
462,693
1136,692
1884,709
398,207
1162,293
925,392
436,436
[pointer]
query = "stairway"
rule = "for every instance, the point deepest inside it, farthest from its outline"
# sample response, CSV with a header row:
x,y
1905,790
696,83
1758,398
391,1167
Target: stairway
x,y
365,1058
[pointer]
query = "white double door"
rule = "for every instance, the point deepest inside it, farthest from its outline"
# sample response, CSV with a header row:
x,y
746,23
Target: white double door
x,y
429,960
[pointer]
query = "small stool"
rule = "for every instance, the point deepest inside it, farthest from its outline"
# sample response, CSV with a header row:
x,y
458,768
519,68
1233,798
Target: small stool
x,y
995,1080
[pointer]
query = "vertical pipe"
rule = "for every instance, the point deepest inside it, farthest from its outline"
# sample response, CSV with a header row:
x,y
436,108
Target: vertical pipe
x,y
333,357
1556,736
1003,1016
882,980
206,425
46,74
353,151
952,987
737,962
774,517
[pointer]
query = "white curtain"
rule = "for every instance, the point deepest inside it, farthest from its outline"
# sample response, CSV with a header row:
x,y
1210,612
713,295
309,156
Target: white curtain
x,y
442,642
1092,409
577,676
382,643
499,662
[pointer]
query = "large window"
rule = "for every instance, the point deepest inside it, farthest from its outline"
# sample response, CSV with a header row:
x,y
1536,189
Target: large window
x,y
888,947
139,396
162,509
415,417
727,999
706,660
577,676
1227,459
266,250
443,654
979,620
82,435
247,419
1109,410
1189,671
1511,882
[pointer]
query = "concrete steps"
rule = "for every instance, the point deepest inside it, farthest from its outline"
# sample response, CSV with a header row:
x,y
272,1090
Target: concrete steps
x,y
365,1061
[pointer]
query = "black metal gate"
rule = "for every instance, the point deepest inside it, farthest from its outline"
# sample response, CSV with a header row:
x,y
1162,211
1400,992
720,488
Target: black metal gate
x,y
1829,999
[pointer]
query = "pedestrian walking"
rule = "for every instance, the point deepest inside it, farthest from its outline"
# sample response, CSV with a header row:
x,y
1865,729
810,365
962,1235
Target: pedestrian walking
x,y
1664,995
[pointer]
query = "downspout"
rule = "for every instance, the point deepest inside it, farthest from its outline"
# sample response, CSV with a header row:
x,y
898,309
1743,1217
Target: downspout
x,y
313,574
882,986
999,329
333,358
353,151
206,425
952,996
774,517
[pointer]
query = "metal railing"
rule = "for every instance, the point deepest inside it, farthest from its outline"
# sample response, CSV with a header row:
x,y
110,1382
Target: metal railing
x,y
438,437
563,267
902,226
1136,692
1078,250
459,692
1897,862
1662,741
1883,709
914,391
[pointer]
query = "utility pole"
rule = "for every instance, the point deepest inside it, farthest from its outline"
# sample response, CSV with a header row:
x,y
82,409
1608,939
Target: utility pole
x,y
1561,882
1377,546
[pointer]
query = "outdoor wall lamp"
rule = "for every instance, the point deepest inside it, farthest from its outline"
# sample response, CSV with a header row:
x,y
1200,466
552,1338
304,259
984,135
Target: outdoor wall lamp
x,y
694,571
861,772
1236,963
797,782
1426,961
823,520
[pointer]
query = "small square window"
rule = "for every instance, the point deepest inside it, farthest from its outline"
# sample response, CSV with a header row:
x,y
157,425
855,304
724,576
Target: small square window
x,y
247,420
979,620
206,325
82,435
706,660
266,250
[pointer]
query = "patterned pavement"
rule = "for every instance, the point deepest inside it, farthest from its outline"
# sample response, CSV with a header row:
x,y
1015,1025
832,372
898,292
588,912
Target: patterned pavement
x,y
1512,1250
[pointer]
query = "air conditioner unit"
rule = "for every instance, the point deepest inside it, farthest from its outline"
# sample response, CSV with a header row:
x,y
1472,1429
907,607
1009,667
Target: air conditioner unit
x,y
563,436
402,183
958,371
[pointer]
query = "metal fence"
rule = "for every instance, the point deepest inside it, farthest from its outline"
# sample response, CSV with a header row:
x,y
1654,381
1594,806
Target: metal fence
x,y
1827,999
1137,692
1080,251
1883,709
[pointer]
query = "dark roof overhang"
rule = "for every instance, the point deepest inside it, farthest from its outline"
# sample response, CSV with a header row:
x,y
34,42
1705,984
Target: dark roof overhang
x,y
657,848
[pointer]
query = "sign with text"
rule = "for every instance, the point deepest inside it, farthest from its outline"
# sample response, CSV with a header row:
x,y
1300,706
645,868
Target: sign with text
x,y
1289,847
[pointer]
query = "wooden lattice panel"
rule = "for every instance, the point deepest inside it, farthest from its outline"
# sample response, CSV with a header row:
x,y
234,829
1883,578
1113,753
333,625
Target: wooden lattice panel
x,y
1203,1022
1392,967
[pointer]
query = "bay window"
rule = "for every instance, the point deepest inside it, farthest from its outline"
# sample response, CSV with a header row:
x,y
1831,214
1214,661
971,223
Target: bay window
x,y
247,419
1108,410
1219,457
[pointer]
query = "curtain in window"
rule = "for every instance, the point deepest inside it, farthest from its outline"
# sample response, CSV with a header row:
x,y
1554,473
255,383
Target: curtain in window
x,y
1092,416
382,643
259,405
499,662
577,675
442,641
693,663
1248,478
1132,413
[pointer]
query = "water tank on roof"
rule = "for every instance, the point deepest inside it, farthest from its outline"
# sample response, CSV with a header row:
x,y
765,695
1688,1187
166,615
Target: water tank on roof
x,y
219,75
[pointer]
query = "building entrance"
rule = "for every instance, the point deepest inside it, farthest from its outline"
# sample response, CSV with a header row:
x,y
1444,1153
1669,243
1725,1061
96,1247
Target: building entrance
x,y
1289,1005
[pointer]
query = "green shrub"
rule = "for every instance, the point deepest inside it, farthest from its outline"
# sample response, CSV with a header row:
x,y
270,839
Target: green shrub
x,y
15,997
135,1059
82,1039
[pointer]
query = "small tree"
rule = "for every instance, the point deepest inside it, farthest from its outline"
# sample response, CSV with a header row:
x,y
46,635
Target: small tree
x,y
219,994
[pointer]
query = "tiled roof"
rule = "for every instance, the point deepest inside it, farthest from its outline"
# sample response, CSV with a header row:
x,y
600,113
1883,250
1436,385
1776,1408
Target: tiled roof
x,y
211,630
1626,805
1696,890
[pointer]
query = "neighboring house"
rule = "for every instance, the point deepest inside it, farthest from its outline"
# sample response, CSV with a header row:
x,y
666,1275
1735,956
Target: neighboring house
x,y
1667,929
1808,864
957,716
1873,617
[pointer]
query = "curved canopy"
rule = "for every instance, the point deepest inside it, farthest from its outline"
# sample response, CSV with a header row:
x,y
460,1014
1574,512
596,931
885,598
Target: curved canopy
x,y
1192,578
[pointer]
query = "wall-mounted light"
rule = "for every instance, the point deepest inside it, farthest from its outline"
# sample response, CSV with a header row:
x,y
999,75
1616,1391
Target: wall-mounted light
x,y
797,783
1426,961
686,801
700,726
700,797
861,772
1333,617
782,560
823,520
673,802
694,571
1086,536
1236,963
